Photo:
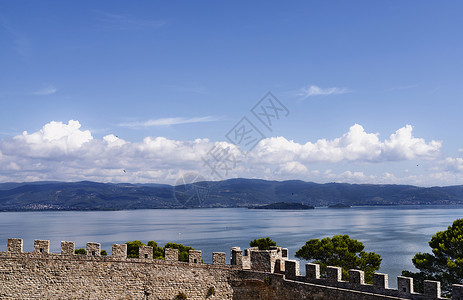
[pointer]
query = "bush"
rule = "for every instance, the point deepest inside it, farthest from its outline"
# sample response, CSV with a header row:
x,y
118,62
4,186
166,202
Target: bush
x,y
80,251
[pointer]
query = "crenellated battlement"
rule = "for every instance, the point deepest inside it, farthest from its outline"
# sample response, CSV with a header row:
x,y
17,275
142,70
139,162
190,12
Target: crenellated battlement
x,y
269,273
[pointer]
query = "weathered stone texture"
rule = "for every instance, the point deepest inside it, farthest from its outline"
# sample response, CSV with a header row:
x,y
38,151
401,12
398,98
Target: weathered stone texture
x,y
312,271
432,288
119,250
380,281
171,254
194,256
15,245
236,256
41,246
34,276
145,252
356,277
333,274
405,285
219,258
457,292
291,269
67,248
93,249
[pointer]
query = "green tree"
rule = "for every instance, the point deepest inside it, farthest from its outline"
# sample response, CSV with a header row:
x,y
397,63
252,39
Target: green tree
x,y
132,248
340,251
158,252
103,253
182,250
80,251
445,264
262,243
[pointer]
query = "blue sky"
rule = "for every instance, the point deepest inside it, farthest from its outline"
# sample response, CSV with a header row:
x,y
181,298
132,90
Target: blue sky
x,y
150,87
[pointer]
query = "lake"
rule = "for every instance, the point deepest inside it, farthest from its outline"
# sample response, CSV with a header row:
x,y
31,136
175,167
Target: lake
x,y
396,233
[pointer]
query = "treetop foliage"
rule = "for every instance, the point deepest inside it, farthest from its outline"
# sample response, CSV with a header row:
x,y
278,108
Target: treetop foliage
x,y
340,251
158,252
262,243
445,263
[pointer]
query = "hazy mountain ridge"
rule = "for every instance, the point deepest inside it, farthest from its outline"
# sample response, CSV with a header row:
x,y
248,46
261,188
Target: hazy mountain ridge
x,y
86,195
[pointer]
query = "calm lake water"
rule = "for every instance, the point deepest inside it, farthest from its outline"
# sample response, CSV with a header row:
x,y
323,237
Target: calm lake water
x,y
396,233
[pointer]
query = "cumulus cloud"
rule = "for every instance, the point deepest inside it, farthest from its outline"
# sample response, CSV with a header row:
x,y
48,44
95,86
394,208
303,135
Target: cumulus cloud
x,y
64,151
314,90
355,145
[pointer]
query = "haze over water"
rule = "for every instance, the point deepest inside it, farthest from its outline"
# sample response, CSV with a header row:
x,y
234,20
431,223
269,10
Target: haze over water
x,y
396,233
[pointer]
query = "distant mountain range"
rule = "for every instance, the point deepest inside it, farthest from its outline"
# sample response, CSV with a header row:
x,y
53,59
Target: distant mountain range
x,y
86,195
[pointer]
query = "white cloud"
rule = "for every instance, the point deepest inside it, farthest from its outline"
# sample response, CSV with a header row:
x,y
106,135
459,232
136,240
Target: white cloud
x,y
403,146
292,168
45,91
314,90
168,122
61,151
453,164
355,145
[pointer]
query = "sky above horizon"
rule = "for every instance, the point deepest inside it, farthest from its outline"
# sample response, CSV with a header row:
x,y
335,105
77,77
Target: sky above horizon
x,y
147,91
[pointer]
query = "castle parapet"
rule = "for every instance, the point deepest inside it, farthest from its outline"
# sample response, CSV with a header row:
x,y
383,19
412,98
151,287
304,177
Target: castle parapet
x,y
356,277
15,245
119,251
312,271
194,256
380,281
236,257
67,248
457,292
333,274
432,288
263,262
219,258
405,285
145,252
171,254
291,269
93,249
42,246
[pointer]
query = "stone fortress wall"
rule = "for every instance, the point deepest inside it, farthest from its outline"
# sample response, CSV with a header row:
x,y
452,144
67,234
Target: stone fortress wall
x,y
254,274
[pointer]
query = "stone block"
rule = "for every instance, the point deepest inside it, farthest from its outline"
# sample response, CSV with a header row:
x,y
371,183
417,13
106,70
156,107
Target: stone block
x,y
457,292
119,250
279,266
312,271
171,254
291,269
405,285
333,274
145,252
41,246
67,248
219,258
432,288
194,257
284,252
236,256
356,277
93,249
380,281
15,245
